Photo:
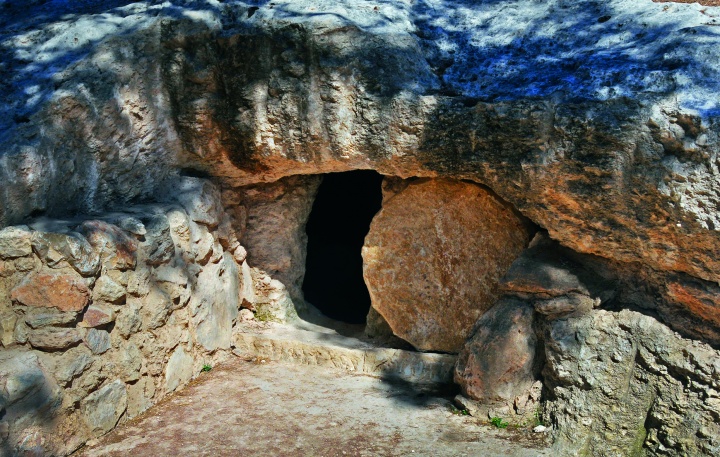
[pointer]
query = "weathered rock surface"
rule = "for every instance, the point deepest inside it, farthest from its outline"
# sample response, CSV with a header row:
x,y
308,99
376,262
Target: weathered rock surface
x,y
57,249
201,200
613,152
49,338
614,382
274,230
160,248
14,242
433,258
62,291
30,399
107,290
102,409
44,319
498,363
214,306
71,364
117,249
625,384
97,340
97,306
179,369
97,315
598,120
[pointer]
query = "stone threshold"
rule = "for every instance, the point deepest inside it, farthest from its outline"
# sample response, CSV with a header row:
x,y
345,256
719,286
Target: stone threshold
x,y
309,344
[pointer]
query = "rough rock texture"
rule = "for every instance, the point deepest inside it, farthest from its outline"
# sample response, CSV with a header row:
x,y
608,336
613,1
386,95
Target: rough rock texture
x,y
274,218
597,120
102,409
214,306
15,242
498,363
614,382
119,322
30,399
433,258
179,369
624,384
63,292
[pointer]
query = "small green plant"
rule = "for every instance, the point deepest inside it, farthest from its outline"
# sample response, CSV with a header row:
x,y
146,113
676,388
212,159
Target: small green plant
x,y
536,418
459,412
498,422
206,367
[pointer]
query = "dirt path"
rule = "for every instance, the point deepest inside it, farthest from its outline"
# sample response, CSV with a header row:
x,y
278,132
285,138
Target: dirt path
x,y
274,409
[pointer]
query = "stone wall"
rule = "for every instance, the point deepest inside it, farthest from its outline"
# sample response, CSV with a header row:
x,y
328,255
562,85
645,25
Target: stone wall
x,y
100,318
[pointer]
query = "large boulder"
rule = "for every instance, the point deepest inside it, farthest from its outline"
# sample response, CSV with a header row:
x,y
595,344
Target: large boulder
x,y
433,258
498,362
621,383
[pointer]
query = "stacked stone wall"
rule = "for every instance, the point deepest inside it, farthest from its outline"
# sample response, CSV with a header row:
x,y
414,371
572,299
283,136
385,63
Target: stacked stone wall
x,y
102,317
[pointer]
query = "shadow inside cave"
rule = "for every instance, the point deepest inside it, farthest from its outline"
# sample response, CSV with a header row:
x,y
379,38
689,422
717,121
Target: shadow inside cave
x,y
339,221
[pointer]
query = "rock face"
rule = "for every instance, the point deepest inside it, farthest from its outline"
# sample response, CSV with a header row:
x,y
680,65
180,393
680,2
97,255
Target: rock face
x,y
597,120
499,363
63,292
624,384
614,382
433,258
274,228
102,409
30,399
215,305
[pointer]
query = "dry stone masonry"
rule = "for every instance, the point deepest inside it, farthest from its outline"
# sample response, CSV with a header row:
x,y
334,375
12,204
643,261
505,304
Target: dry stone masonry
x,y
550,211
103,317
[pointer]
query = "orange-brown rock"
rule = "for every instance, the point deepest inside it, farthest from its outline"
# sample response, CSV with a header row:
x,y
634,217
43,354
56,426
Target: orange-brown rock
x,y
117,250
96,316
434,256
63,291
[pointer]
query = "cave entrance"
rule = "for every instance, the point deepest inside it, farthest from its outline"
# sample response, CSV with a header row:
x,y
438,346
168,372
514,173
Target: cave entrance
x,y
340,218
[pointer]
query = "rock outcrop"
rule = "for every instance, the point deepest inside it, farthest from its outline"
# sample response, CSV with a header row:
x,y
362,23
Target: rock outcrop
x,y
597,120
499,366
433,258
614,382
621,383
610,147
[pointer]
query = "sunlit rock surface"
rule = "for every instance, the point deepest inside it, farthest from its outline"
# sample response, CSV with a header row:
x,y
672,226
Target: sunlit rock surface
x,y
433,258
597,120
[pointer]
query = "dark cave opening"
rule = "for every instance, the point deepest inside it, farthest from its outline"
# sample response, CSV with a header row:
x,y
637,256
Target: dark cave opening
x,y
340,218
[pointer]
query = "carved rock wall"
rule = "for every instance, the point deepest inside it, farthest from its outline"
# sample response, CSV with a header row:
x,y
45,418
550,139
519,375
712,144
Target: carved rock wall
x,y
597,120
623,168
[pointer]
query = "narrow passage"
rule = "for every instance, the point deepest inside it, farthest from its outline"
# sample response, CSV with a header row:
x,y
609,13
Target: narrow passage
x,y
339,220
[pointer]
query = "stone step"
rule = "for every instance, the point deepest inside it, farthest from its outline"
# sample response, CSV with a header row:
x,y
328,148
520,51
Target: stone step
x,y
326,348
